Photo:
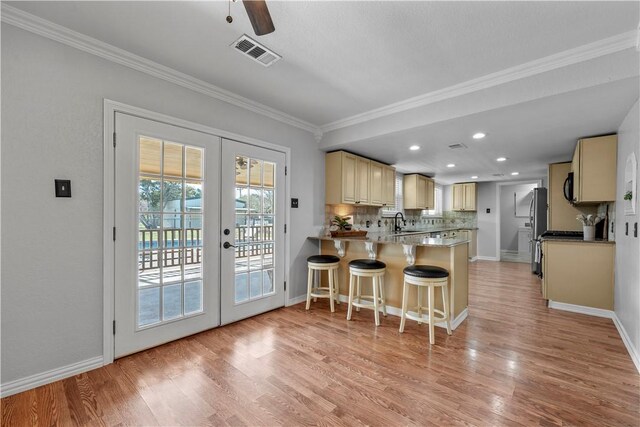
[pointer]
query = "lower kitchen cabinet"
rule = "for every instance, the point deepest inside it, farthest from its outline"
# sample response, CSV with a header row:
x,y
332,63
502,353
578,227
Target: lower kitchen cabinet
x,y
578,272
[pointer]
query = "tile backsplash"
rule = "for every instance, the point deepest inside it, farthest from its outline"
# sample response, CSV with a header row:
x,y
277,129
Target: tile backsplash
x,y
371,218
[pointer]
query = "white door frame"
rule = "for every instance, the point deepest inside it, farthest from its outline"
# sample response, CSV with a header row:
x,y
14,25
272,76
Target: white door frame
x,y
108,245
498,195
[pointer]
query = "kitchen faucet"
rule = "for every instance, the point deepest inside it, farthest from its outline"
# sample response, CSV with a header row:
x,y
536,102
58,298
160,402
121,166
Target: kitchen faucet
x,y
396,226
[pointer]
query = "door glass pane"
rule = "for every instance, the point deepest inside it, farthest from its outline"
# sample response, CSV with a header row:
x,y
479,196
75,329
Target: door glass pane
x,y
150,155
172,195
172,159
170,236
172,302
255,219
192,297
194,162
148,306
149,194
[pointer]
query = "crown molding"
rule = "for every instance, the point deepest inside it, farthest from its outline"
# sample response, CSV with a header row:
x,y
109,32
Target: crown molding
x,y
50,30
566,58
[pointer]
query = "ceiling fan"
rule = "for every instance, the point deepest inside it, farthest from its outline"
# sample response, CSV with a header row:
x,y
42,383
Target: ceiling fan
x,y
259,16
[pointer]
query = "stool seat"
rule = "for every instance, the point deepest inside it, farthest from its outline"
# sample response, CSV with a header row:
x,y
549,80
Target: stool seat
x,y
367,264
323,259
426,271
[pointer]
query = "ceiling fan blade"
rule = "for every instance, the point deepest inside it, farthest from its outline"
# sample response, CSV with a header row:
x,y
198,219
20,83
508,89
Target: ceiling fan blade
x,y
259,16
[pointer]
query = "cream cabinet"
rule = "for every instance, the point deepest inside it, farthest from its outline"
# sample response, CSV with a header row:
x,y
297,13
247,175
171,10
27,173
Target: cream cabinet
x,y
472,235
562,215
376,183
594,169
418,192
389,186
464,196
351,179
579,273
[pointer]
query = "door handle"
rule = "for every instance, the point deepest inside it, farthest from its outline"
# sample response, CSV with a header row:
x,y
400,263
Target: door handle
x,y
227,245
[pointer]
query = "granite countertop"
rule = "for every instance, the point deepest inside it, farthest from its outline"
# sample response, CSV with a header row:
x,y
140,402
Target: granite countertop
x,y
407,239
576,240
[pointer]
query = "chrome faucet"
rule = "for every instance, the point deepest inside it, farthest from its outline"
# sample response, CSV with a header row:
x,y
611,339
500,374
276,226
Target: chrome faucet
x,y
396,225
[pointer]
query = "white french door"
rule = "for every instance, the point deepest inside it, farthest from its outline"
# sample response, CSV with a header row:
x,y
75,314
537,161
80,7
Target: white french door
x,y
252,222
167,219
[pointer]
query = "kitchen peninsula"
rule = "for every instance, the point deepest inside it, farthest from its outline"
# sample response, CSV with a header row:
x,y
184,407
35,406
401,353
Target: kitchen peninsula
x,y
399,251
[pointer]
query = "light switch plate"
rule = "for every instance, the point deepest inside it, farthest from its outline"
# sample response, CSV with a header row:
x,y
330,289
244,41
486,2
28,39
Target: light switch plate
x,y
63,188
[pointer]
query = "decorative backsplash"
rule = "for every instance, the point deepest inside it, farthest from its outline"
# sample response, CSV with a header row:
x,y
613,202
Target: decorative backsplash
x,y
368,217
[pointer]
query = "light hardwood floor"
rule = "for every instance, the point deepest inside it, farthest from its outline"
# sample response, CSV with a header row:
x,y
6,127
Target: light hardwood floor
x,y
512,362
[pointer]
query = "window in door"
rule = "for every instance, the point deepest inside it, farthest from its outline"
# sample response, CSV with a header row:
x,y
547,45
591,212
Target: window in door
x,y
170,232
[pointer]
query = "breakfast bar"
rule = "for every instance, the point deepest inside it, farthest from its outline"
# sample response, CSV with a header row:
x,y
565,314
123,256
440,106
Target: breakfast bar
x,y
398,252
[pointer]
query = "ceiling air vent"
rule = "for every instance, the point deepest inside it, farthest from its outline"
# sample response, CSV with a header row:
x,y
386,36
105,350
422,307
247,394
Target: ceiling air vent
x,y
254,50
457,146
498,174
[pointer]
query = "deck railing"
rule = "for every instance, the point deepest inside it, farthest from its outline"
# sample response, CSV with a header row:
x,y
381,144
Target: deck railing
x,y
174,247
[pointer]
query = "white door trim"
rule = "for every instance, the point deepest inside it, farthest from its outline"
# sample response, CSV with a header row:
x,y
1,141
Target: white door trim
x,y
108,279
498,195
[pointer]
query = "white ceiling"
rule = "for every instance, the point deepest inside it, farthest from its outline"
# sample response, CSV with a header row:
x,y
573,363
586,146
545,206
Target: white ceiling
x,y
346,58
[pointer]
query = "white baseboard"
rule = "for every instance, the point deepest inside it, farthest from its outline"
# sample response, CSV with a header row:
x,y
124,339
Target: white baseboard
x,y
474,259
33,381
487,258
598,312
296,300
633,352
397,311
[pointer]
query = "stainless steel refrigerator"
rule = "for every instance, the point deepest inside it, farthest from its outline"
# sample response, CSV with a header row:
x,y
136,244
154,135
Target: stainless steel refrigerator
x,y
538,220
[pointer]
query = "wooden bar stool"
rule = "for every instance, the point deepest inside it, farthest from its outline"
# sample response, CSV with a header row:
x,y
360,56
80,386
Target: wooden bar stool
x,y
319,263
367,268
431,277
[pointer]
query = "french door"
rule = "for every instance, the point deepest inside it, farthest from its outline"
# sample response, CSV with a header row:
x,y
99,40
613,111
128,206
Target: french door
x,y
252,215
167,252
199,228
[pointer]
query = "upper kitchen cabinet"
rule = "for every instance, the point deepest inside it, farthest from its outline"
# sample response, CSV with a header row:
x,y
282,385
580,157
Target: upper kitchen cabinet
x,y
464,197
562,215
594,169
351,179
389,186
418,192
376,183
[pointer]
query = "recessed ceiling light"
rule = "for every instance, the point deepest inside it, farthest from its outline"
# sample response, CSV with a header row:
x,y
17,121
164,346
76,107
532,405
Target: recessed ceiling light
x,y
478,135
451,165
515,173
474,177
501,159
414,147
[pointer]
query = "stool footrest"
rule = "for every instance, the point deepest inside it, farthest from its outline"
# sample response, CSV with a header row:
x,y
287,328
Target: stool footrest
x,y
425,317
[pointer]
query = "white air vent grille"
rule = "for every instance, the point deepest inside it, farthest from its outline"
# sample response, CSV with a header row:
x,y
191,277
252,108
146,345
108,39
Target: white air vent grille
x,y
254,50
457,146
498,174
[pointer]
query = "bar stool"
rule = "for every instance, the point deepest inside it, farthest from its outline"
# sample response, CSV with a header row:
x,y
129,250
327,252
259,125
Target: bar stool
x,y
431,277
367,268
319,263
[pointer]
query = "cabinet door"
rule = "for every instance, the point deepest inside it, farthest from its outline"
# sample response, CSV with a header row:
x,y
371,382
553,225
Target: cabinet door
x,y
362,180
431,194
349,178
469,197
421,193
376,184
575,168
458,197
389,186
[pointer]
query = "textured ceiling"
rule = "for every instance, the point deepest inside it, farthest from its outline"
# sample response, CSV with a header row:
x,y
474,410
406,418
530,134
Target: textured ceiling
x,y
343,59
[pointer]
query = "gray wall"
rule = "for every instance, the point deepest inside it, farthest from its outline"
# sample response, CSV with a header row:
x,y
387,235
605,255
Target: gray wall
x,y
487,222
627,286
52,124
509,222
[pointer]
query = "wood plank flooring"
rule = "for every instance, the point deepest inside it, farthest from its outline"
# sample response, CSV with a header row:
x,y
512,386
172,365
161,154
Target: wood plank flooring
x,y
512,362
